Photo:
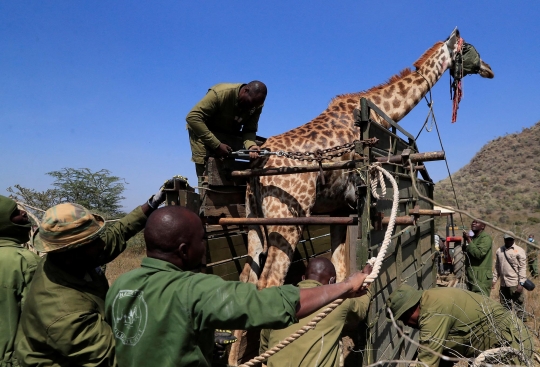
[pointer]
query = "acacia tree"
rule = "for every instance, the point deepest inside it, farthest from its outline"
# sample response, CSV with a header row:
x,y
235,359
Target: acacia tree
x,y
97,191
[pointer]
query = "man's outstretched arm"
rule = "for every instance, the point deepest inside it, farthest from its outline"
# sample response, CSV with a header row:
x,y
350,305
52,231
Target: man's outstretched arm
x,y
311,299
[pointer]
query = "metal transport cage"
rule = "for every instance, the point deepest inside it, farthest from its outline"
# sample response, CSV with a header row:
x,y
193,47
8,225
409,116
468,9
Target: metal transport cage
x,y
220,201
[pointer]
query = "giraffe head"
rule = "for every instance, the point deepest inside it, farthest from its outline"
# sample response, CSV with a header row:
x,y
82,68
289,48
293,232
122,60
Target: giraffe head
x,y
471,62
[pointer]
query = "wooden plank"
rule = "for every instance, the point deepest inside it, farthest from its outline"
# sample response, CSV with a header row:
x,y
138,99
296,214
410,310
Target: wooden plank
x,y
224,195
219,172
228,211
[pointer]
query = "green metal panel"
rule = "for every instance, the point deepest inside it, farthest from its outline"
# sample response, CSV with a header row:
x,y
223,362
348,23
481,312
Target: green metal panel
x,y
409,256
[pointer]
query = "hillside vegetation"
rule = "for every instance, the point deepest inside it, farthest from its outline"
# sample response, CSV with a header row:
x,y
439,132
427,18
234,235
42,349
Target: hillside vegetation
x,y
501,184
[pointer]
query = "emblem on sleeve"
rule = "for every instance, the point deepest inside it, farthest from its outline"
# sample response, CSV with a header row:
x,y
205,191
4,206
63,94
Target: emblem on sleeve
x,y
130,314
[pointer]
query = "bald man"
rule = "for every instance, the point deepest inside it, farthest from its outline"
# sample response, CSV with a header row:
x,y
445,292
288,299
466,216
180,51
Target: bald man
x,y
319,347
227,112
165,313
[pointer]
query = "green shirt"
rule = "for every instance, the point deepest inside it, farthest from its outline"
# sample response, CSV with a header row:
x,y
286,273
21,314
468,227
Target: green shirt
x,y
163,316
218,113
320,346
479,263
452,318
63,320
17,268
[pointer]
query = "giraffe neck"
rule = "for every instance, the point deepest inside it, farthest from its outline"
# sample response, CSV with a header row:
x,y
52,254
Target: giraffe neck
x,y
397,97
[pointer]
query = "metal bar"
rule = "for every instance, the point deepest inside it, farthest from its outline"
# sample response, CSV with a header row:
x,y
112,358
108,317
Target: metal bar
x,y
405,220
226,261
273,171
374,107
288,221
311,256
415,157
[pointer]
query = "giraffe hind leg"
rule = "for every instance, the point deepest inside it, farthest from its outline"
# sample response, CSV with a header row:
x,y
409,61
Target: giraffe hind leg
x,y
338,235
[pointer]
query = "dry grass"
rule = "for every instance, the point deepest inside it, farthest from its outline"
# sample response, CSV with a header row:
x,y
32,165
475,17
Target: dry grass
x,y
130,259
501,185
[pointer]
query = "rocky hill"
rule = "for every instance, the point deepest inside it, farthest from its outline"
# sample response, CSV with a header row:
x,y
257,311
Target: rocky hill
x,y
501,184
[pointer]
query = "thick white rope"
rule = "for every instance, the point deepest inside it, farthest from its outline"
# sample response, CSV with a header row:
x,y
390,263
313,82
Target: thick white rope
x,y
375,262
390,229
494,352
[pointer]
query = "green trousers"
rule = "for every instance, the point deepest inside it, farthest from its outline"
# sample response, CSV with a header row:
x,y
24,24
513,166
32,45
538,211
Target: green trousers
x,y
513,301
533,266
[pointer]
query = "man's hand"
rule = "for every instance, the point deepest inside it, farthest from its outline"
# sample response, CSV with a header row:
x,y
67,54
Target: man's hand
x,y
158,198
254,151
466,237
519,288
222,150
355,281
367,269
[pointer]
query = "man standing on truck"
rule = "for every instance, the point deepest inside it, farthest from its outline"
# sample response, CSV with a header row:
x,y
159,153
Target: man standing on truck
x,y
478,259
63,318
227,112
320,347
165,312
455,322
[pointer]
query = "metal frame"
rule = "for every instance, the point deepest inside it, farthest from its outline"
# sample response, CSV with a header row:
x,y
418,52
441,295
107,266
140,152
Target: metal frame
x,y
408,256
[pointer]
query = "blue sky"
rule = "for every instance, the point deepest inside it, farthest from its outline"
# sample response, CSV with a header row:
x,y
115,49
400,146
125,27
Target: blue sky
x,y
107,84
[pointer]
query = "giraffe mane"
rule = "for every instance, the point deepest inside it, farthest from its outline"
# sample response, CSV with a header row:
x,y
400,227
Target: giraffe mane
x,y
394,78
427,55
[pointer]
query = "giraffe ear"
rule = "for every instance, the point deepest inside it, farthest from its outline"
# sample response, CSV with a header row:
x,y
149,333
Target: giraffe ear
x,y
452,39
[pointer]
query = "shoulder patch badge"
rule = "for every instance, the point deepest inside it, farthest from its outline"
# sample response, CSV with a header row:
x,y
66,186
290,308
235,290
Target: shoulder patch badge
x,y
130,314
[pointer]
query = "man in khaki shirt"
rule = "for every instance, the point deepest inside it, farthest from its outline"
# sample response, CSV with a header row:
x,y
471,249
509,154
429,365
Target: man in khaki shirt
x,y
511,268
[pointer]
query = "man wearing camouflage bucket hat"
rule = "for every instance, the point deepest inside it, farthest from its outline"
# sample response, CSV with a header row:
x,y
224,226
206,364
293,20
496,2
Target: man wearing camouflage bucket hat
x,y
63,319
17,268
454,320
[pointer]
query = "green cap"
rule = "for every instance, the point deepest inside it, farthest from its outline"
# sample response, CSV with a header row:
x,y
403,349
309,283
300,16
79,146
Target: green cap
x,y
402,299
509,235
66,226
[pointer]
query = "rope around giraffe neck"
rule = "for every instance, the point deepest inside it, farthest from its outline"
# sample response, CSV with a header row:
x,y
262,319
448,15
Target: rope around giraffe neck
x,y
456,85
377,173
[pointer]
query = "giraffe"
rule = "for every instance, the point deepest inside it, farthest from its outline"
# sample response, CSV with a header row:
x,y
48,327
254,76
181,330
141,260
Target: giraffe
x,y
305,194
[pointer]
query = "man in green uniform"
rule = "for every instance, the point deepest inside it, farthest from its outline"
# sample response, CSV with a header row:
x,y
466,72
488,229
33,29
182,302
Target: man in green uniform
x,y
17,267
320,347
164,313
228,112
63,319
478,259
453,320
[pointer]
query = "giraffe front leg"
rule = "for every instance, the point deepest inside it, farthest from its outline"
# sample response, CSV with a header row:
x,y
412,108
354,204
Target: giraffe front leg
x,y
338,235
252,268
256,239
282,241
